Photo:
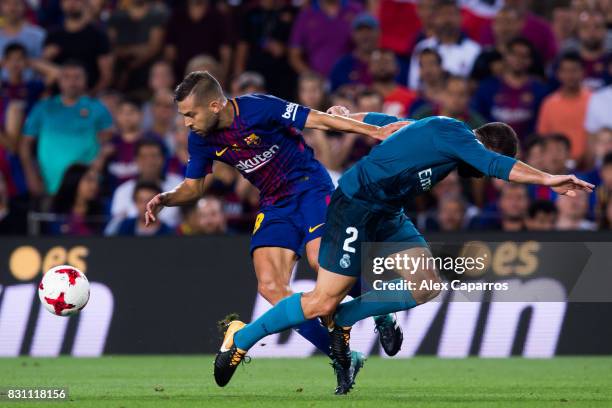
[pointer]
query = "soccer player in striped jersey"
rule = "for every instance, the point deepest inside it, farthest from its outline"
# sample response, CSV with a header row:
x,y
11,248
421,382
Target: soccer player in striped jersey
x,y
260,136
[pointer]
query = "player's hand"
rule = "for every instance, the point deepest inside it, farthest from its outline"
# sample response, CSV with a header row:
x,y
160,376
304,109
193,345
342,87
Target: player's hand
x,y
385,131
153,208
339,111
568,185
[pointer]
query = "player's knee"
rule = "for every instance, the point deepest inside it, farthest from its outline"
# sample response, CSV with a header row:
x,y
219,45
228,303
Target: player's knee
x,y
316,305
327,307
273,290
431,290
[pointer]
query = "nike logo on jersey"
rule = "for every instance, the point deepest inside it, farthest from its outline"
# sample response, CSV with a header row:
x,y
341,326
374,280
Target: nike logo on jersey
x,y
221,152
313,229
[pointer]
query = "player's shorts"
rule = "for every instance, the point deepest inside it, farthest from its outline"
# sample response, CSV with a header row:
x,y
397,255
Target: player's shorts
x,y
350,223
292,222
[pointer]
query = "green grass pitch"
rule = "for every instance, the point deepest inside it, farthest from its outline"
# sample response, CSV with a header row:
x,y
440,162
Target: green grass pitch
x,y
186,381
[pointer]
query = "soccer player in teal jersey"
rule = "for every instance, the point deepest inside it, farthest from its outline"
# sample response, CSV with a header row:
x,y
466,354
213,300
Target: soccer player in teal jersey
x,y
367,207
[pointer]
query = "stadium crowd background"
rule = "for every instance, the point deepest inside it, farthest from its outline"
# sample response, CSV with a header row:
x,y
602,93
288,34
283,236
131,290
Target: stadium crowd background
x,y
89,130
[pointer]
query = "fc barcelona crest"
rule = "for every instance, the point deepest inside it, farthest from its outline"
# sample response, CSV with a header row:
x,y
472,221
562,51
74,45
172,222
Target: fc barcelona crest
x,y
252,139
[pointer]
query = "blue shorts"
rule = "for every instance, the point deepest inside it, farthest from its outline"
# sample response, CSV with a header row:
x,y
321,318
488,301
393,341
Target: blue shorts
x,y
350,223
292,222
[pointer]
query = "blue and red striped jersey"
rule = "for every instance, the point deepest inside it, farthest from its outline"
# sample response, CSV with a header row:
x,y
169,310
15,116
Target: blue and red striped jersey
x,y
265,144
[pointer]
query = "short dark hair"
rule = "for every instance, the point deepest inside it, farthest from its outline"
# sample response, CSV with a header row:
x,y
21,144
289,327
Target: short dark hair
x,y
570,56
499,137
532,141
74,63
520,41
446,3
431,51
200,83
367,93
131,101
14,47
146,185
538,206
607,160
149,141
558,138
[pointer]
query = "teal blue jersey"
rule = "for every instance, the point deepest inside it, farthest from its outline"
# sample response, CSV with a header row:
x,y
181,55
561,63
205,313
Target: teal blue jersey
x,y
416,157
66,134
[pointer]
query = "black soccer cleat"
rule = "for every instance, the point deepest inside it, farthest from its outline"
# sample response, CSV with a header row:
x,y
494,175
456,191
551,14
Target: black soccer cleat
x,y
344,376
229,356
340,338
389,334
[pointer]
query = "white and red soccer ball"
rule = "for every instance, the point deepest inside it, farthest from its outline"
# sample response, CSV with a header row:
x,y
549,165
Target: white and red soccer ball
x,y
64,290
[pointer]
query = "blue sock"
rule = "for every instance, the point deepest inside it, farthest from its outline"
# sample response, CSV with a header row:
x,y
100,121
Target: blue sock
x,y
315,333
285,314
373,303
356,291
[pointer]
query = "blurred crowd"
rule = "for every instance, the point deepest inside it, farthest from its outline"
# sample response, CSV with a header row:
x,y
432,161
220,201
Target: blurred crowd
x,y
89,131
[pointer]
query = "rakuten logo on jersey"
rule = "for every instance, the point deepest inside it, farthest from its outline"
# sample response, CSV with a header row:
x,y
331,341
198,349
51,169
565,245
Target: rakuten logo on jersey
x,y
290,111
258,161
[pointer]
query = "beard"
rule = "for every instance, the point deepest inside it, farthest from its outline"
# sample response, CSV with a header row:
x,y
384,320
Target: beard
x,y
207,128
74,14
384,77
466,171
592,45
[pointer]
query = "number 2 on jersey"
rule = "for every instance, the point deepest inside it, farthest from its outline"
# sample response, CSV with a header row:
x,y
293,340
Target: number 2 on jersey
x,y
352,231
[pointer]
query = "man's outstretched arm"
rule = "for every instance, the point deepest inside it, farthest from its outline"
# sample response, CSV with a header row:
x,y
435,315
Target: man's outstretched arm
x,y
561,184
375,118
341,123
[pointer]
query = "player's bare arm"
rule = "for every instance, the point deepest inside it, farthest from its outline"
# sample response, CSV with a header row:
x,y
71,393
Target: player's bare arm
x,y
326,121
188,191
562,184
360,116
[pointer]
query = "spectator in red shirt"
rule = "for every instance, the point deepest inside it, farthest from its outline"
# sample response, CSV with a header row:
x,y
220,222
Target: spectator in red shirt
x,y
384,70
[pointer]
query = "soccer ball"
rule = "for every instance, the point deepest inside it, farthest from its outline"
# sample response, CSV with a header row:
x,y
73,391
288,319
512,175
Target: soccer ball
x,y
64,290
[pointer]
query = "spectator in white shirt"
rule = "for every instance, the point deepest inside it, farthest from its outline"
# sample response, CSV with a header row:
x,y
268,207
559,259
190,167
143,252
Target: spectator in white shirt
x,y
457,51
16,29
598,111
150,162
